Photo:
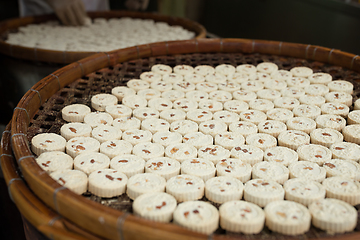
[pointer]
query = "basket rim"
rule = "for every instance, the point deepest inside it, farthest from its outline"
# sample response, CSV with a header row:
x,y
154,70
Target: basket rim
x,y
119,224
66,57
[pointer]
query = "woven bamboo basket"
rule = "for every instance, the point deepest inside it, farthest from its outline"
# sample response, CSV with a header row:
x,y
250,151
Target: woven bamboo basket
x,y
66,57
60,213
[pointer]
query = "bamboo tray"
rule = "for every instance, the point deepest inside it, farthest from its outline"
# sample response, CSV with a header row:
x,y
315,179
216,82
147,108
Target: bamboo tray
x,y
76,81
66,57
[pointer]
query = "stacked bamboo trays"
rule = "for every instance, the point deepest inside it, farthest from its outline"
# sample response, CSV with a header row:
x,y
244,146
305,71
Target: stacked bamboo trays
x,y
61,214
66,57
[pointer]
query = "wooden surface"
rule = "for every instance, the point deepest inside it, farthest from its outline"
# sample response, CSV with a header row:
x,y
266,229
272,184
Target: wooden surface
x,y
93,217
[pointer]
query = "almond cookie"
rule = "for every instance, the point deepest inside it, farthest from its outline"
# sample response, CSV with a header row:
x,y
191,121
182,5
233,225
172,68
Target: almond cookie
x,y
341,86
197,95
304,124
309,111
261,140
226,117
75,112
54,161
128,164
126,123
148,150
223,189
167,138
267,67
243,127
228,140
161,69
149,93
320,78
160,104
235,168
155,125
100,101
279,114
89,162
293,139
172,115
340,97
210,105
343,188
270,171
198,139
312,100
47,142
204,70
136,136
213,153
173,95
268,94
162,86
254,116
303,191
185,187
75,129
330,121
215,78
199,167
185,104
197,216
107,183
158,207
346,150
118,111
286,102
261,192
308,170
301,71
352,133
287,217
121,91
333,216
183,69
335,108
134,101
212,127
299,82
150,76
326,136
241,216
261,104
184,126
181,151
341,167
236,106
78,145
281,155
316,89
353,117
95,119
105,133
314,153
244,95
75,180
137,84
163,166
144,183
248,154
112,148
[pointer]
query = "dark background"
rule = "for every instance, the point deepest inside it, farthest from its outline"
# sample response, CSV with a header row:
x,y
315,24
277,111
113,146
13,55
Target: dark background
x,y
328,23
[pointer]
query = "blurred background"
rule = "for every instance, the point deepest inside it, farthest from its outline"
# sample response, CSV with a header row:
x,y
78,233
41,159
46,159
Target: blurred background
x,y
328,23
